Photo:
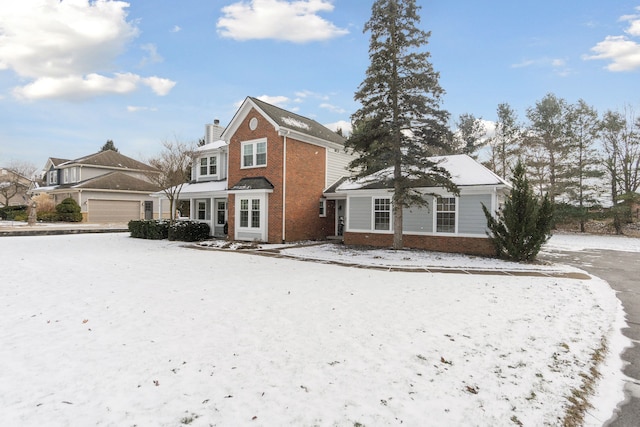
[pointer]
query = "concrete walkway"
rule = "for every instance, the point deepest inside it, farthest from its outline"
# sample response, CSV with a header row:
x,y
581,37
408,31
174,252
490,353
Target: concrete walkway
x,y
10,228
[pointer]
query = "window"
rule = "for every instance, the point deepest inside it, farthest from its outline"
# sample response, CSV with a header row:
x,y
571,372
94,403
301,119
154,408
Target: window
x,y
446,215
73,175
382,214
254,154
221,216
250,213
66,176
213,166
53,177
244,213
255,213
322,209
208,166
202,209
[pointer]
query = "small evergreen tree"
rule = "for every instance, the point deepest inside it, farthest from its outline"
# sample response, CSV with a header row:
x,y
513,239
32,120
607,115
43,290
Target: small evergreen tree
x,y
109,145
524,224
68,210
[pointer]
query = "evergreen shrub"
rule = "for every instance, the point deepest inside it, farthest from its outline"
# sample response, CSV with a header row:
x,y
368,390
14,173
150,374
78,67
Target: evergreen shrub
x,y
189,231
11,213
149,229
524,224
69,210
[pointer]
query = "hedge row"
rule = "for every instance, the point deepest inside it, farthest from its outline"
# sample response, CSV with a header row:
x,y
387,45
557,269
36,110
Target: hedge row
x,y
185,231
189,231
149,229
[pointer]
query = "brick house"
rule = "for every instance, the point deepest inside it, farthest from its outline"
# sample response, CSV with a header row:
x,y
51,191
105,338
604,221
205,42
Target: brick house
x,y
264,179
275,176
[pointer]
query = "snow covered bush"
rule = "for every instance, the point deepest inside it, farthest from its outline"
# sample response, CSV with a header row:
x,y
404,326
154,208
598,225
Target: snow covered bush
x,y
149,229
189,231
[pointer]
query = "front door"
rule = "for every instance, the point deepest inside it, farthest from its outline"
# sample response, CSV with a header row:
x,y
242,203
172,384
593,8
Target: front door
x,y
341,212
148,210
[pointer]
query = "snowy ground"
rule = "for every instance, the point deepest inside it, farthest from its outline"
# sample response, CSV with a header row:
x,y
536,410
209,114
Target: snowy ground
x,y
108,330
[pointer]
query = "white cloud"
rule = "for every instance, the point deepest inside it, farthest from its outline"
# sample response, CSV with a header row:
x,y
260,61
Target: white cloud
x,y
64,48
134,109
159,85
152,55
558,65
279,101
176,29
340,124
622,52
295,21
333,108
78,87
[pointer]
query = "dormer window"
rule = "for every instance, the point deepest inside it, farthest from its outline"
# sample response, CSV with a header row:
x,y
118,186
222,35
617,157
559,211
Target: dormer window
x,y
53,177
208,166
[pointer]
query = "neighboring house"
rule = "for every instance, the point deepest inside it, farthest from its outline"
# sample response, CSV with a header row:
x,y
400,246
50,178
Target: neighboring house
x,y
265,177
13,188
108,186
448,223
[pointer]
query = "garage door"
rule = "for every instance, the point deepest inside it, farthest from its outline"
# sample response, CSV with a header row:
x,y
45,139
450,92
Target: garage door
x,y
107,211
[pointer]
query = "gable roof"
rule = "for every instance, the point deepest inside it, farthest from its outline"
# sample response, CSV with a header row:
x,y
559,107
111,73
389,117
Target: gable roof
x,y
114,181
464,171
283,120
110,159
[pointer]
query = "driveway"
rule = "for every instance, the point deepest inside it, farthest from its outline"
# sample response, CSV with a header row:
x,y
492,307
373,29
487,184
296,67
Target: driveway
x,y
620,269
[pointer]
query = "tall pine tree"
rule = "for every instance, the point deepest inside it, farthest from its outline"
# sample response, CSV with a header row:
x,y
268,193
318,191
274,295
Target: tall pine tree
x,y
400,121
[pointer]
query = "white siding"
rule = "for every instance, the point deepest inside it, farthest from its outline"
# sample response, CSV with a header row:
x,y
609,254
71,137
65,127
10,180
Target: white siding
x,y
471,219
418,219
360,213
337,162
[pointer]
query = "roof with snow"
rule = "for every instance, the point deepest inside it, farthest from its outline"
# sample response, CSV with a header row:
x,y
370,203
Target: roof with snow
x,y
211,146
298,123
198,188
463,169
109,158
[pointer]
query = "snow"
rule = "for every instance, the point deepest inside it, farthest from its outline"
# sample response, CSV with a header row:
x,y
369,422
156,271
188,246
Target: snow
x,y
290,121
582,242
107,330
463,169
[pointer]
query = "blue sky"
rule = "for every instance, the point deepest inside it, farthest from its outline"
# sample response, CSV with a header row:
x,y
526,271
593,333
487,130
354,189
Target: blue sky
x,y
75,73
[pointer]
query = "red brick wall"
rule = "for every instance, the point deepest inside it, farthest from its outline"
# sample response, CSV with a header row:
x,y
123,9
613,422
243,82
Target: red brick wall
x,y
305,182
465,245
306,166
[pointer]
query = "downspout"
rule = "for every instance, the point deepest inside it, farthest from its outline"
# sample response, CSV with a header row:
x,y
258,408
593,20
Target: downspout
x,y
284,185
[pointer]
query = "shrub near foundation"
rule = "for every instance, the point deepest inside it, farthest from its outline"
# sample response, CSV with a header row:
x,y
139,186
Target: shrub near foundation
x,y
69,210
149,229
189,231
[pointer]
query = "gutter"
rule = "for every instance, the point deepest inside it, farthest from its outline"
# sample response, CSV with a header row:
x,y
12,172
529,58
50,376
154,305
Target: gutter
x,y
284,133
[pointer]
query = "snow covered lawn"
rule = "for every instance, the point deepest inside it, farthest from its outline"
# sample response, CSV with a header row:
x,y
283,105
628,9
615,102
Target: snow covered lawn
x,y
108,330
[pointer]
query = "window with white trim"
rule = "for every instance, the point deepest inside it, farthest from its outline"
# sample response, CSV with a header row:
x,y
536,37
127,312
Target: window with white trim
x,y
254,153
209,166
53,177
201,209
382,214
446,215
66,176
322,208
249,213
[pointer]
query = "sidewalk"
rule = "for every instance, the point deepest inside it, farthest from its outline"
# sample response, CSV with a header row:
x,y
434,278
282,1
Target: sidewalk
x,y
16,228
